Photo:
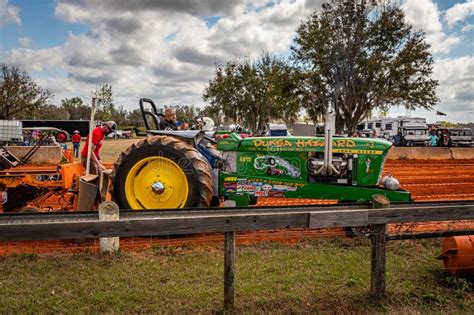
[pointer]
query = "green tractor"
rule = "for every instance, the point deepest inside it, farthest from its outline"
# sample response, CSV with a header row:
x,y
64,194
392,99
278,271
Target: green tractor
x,y
176,169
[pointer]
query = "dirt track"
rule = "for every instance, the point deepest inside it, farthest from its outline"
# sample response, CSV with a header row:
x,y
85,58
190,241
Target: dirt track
x,y
433,180
427,180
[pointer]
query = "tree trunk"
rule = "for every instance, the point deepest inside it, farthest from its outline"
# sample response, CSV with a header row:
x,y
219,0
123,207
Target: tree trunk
x,y
339,124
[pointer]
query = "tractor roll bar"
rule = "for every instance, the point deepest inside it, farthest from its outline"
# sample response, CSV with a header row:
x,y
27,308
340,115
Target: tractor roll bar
x,y
154,115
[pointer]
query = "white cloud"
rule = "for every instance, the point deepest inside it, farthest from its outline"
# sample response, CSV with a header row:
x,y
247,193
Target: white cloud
x,y
24,42
37,60
467,28
9,13
459,12
456,86
455,90
129,46
424,15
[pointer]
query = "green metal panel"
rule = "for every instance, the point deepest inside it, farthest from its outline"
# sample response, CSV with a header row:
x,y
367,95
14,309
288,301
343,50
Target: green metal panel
x,y
267,187
230,143
369,167
278,166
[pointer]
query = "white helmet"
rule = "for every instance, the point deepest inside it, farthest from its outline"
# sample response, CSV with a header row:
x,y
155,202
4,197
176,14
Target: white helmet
x,y
208,124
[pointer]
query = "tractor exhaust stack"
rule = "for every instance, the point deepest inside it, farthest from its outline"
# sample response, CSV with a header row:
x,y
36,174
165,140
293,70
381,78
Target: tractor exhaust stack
x,y
328,169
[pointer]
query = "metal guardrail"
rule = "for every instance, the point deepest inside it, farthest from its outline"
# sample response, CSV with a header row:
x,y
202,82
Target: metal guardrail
x,y
75,225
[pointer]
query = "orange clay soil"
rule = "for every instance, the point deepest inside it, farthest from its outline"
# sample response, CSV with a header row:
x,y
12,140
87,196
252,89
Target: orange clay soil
x,y
427,180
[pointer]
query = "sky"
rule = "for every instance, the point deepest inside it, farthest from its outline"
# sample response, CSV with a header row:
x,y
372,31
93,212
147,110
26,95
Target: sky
x,y
167,50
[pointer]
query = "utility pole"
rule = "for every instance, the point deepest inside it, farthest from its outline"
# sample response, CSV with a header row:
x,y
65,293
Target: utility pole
x,y
89,143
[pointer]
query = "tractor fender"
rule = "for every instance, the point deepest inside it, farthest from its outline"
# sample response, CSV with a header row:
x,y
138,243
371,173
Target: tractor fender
x,y
192,137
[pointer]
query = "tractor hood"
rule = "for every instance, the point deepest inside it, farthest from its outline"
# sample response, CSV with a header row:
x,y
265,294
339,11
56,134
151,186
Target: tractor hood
x,y
315,144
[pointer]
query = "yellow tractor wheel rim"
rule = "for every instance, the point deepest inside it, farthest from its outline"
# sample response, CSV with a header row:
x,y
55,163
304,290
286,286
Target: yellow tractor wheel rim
x,y
156,183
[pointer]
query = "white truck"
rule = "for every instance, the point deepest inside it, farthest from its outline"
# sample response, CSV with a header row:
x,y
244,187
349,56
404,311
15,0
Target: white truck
x,y
456,137
412,136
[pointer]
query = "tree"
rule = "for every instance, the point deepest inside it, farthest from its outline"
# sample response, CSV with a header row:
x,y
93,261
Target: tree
x,y
105,107
186,113
213,112
135,118
119,115
105,96
253,93
20,96
76,108
51,112
357,56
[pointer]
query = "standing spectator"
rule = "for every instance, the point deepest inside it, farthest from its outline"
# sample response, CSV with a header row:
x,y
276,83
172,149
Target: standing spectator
x,y
440,139
98,135
446,138
373,133
434,139
76,142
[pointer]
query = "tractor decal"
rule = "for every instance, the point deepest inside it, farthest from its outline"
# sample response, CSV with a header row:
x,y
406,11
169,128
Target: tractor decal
x,y
376,152
3,197
260,193
275,166
312,144
280,188
367,164
257,188
301,143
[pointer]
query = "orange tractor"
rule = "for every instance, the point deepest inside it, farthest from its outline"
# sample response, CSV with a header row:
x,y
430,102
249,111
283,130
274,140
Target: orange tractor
x,y
38,178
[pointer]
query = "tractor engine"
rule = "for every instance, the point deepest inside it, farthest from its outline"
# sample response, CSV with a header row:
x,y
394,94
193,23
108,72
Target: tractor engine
x,y
342,166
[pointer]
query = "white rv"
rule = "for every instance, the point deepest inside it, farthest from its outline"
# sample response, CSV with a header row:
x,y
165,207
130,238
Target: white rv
x,y
402,130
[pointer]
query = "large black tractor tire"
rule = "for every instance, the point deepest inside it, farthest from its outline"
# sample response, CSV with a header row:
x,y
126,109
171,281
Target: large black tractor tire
x,y
193,165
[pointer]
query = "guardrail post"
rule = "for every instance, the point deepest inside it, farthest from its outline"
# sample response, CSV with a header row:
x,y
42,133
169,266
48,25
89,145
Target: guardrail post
x,y
109,211
378,239
229,264
229,270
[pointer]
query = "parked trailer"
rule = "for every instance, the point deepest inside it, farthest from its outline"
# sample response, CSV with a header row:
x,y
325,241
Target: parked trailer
x,y
68,125
402,131
388,127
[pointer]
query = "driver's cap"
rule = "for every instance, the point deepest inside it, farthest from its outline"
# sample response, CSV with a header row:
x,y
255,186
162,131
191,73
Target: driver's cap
x,y
111,124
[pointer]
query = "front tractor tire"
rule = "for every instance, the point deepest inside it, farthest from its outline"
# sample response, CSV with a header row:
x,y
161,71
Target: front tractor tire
x,y
161,172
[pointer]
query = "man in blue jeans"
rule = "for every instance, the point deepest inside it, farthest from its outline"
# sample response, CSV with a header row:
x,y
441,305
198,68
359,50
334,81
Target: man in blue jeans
x,y
76,143
434,139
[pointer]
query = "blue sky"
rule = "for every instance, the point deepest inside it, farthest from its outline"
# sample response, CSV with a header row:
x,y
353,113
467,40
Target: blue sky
x,y
168,50
38,23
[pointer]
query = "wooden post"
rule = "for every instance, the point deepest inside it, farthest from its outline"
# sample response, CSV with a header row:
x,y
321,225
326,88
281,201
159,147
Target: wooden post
x,y
109,211
378,239
229,263
91,127
229,270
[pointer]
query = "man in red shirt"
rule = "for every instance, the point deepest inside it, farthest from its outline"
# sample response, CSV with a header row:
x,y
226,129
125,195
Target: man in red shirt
x,y
76,143
98,135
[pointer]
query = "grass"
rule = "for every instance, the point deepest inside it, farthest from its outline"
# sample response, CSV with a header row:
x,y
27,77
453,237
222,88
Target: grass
x,y
313,276
112,148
